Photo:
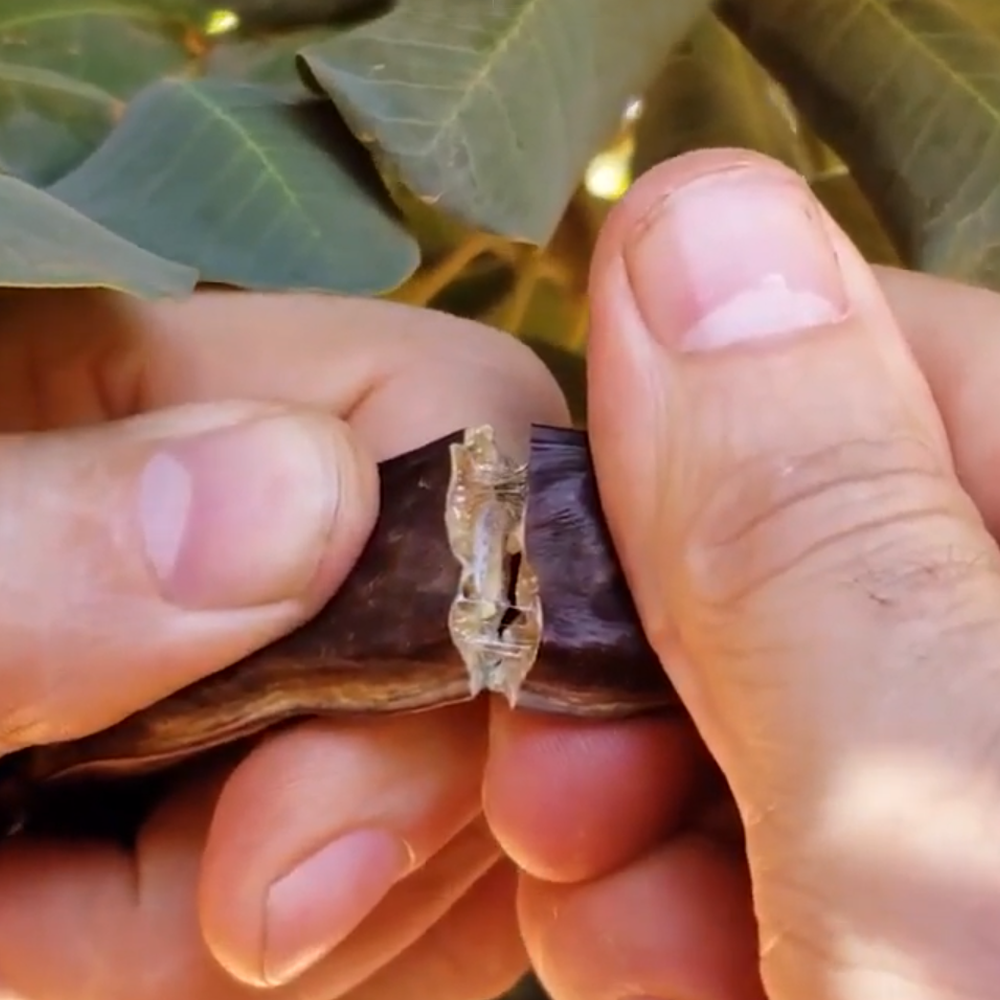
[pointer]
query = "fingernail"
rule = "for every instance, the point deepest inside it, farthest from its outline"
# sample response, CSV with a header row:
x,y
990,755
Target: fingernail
x,y
313,908
238,517
735,256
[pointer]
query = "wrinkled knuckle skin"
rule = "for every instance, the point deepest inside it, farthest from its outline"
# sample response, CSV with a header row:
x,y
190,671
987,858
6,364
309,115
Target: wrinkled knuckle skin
x,y
32,710
24,725
860,509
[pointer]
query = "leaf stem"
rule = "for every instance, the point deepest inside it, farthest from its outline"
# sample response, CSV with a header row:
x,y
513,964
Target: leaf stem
x,y
428,283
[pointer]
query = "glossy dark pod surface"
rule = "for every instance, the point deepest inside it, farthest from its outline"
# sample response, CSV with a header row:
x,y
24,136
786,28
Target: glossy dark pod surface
x,y
383,643
594,658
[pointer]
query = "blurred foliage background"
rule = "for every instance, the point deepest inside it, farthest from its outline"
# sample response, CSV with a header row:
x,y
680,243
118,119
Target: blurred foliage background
x,y
462,154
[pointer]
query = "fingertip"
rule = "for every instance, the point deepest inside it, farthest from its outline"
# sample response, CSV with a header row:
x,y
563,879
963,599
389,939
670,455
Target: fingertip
x,y
609,279
652,186
95,921
356,507
337,814
677,922
474,950
271,510
551,783
43,892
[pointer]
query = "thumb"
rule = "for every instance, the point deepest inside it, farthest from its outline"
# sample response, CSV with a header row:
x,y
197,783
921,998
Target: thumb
x,y
781,492
152,551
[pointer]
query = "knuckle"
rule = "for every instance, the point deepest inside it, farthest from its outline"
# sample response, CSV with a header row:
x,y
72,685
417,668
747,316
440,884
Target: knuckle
x,y
883,515
27,716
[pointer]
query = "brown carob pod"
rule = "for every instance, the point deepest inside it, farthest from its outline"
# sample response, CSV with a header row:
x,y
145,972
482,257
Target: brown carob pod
x,y
481,573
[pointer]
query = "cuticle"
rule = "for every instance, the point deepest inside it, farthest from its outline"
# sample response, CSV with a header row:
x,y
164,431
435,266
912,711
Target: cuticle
x,y
776,174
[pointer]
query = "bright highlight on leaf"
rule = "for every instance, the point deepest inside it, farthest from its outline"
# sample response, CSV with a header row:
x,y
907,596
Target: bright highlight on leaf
x,y
609,174
221,22
633,110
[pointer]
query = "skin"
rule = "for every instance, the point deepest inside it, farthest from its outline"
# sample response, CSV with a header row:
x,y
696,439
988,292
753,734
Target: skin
x,y
823,829
95,386
827,500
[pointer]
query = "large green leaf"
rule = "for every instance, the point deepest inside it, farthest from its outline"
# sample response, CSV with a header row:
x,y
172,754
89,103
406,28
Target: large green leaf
x,y
251,188
267,59
712,92
67,66
49,122
271,33
116,45
908,93
491,109
45,244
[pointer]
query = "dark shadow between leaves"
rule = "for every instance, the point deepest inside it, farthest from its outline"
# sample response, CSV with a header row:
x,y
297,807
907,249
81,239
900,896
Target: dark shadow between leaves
x,y
319,119
264,16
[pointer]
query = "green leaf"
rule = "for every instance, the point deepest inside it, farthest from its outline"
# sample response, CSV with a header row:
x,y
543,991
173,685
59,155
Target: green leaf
x,y
983,13
908,94
49,123
48,245
116,45
713,93
491,110
68,66
252,188
266,60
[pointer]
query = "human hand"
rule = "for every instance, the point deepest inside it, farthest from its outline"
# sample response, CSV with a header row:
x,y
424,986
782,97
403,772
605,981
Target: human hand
x,y
807,522
278,407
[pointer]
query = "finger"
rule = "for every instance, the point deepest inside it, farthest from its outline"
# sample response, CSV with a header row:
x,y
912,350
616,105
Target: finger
x,y
953,330
152,551
434,387
814,547
384,359
365,360
406,915
473,953
350,811
551,784
97,922
94,922
677,922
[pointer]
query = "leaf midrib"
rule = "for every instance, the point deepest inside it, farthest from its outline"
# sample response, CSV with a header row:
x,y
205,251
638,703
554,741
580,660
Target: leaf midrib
x,y
257,150
480,77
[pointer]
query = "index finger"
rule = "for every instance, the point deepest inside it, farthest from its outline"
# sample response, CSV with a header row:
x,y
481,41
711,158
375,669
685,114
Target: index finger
x,y
379,365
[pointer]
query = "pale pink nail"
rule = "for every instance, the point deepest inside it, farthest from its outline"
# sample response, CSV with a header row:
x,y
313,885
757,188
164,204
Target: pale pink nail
x,y
733,256
239,517
313,908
